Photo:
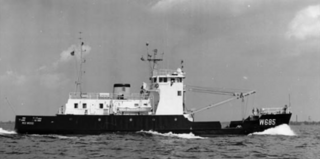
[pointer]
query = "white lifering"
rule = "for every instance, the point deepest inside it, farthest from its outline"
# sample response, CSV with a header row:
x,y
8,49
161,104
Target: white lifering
x,y
156,85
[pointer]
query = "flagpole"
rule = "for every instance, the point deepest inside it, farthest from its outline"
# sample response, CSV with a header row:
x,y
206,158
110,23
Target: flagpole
x,y
80,80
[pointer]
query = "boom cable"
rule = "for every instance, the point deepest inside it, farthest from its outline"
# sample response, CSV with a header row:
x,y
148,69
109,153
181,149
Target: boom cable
x,y
10,106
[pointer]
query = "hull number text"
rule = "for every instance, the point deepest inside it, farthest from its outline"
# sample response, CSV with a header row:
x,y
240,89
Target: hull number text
x,y
267,121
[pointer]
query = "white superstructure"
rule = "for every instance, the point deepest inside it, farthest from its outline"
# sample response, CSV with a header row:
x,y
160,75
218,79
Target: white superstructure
x,y
169,84
166,86
164,96
105,104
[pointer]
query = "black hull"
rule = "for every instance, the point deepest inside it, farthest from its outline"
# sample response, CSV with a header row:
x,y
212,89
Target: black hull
x,y
95,124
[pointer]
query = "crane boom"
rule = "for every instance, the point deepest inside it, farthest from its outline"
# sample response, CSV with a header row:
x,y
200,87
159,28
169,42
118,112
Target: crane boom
x,y
219,91
236,96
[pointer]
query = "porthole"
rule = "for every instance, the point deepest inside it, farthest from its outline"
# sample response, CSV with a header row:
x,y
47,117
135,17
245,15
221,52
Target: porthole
x,y
99,119
130,119
175,119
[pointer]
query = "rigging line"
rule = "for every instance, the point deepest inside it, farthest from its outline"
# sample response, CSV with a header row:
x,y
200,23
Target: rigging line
x,y
213,91
214,105
11,106
210,90
219,88
166,39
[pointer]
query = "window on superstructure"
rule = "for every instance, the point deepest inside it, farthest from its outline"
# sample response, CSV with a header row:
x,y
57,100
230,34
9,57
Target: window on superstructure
x,y
179,93
155,80
165,80
84,105
179,80
101,105
75,105
161,79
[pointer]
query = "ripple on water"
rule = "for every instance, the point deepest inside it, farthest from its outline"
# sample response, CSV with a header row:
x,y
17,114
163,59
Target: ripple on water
x,y
305,144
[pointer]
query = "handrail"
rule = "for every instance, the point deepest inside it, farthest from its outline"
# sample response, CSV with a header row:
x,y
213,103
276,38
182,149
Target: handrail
x,y
133,96
274,110
138,109
166,72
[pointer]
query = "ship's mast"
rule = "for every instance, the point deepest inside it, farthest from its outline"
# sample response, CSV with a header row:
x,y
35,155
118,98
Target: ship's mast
x,y
153,61
79,80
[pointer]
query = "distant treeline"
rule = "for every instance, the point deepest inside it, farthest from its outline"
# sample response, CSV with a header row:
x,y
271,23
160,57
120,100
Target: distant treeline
x,y
304,122
9,125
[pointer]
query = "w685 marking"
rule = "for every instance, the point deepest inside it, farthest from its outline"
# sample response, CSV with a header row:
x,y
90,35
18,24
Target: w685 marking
x,y
267,121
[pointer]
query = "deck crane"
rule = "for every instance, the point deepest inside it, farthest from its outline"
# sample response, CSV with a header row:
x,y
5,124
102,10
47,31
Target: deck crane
x,y
235,94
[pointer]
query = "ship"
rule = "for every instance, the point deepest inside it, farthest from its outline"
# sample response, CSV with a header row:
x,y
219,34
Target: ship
x,y
159,106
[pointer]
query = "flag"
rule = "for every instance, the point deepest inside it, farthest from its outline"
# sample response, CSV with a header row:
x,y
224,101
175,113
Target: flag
x,y
72,53
82,44
181,64
144,86
149,56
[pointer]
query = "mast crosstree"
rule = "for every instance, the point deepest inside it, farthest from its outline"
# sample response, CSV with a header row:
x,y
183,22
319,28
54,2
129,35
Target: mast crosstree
x,y
153,60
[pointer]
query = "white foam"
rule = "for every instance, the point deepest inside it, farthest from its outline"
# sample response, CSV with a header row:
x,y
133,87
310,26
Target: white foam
x,y
55,136
283,129
60,136
170,134
2,131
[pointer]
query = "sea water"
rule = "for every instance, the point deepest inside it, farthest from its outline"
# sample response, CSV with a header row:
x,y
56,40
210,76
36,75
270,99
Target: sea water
x,y
284,141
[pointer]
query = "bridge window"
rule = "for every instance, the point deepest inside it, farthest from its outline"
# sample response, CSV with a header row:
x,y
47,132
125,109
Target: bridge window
x,y
155,80
75,105
179,93
101,105
179,80
84,105
163,80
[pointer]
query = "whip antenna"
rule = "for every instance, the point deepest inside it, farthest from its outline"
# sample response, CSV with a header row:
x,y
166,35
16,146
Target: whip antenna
x,y
10,106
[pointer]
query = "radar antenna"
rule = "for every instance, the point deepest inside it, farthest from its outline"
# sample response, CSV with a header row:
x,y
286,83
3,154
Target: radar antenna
x,y
153,60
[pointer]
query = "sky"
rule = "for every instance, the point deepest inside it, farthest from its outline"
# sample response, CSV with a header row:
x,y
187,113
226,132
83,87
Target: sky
x,y
272,47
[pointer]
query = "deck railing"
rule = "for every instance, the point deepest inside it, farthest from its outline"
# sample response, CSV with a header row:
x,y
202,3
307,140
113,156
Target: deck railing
x,y
164,72
133,96
274,110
